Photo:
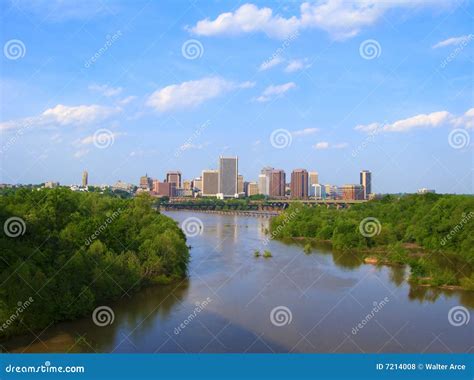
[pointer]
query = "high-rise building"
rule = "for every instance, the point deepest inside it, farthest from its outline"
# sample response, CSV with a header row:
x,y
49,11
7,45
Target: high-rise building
x,y
187,185
197,184
85,178
263,184
352,192
210,183
228,172
174,177
252,189
240,184
299,184
163,189
366,181
313,178
277,183
146,183
318,191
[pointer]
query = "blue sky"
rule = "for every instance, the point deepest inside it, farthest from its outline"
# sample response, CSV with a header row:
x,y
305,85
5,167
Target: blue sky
x,y
133,87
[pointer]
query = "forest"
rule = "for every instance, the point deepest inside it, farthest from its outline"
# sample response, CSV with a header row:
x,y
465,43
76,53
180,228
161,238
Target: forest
x,y
433,234
63,253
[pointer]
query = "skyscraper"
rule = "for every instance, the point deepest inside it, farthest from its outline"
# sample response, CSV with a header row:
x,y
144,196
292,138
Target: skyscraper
x,y
228,172
313,180
210,183
174,177
263,184
85,178
146,183
277,183
252,189
299,184
240,183
366,181
352,192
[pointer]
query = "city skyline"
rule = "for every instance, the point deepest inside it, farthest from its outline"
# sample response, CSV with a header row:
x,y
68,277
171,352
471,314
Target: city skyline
x,y
390,93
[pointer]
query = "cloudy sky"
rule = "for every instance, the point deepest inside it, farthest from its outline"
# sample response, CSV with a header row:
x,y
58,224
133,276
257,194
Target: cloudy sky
x,y
127,88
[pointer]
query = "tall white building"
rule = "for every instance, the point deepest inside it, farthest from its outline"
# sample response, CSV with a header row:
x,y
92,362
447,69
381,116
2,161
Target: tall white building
x,y
366,182
228,176
263,184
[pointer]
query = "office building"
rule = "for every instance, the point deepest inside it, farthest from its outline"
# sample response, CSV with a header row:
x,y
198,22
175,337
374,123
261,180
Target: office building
x,y
228,172
146,183
318,191
187,185
51,184
366,181
210,183
119,185
240,184
85,178
197,184
252,189
174,177
352,192
277,183
424,190
263,184
163,189
299,184
313,178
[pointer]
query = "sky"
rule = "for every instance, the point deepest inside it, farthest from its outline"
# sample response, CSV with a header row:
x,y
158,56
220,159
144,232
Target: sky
x,y
124,88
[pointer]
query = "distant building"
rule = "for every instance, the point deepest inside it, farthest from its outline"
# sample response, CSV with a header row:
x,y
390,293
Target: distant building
x,y
187,185
240,184
313,178
277,183
163,189
424,190
119,185
263,184
85,178
146,183
197,184
228,172
353,192
51,184
299,184
366,181
252,189
318,191
210,183
174,177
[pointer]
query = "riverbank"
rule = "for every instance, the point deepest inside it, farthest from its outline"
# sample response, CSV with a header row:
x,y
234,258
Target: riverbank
x,y
432,234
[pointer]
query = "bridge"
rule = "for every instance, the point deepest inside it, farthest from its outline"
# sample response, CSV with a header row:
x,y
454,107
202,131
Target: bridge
x,y
256,213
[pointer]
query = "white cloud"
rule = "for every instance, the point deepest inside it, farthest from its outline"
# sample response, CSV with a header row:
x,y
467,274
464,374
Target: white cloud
x,y
337,17
422,121
81,153
93,138
192,93
466,120
64,115
127,100
275,91
305,132
322,145
454,41
247,19
106,90
270,63
296,65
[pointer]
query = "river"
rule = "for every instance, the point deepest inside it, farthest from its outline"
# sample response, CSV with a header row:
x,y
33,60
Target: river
x,y
232,301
